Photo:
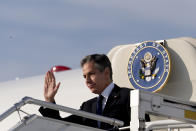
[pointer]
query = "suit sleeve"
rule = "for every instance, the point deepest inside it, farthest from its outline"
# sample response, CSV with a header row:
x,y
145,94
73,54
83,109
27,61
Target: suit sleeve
x,y
46,112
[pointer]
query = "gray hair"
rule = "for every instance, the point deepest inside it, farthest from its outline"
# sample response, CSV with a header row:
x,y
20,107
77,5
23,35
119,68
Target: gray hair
x,y
101,61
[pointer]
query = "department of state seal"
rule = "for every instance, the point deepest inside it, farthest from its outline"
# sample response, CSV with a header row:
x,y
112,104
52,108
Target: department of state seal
x,y
149,66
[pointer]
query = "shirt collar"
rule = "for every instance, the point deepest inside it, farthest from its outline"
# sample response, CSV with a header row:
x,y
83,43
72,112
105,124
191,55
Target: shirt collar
x,y
106,92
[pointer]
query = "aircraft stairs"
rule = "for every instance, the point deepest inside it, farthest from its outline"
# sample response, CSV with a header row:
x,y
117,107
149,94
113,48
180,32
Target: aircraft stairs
x,y
38,123
181,115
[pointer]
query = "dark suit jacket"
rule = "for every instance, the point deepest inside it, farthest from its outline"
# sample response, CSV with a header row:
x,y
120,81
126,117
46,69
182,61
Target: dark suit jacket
x,y
117,106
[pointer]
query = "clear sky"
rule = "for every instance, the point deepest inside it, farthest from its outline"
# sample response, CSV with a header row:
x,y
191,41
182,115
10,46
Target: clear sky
x,y
38,34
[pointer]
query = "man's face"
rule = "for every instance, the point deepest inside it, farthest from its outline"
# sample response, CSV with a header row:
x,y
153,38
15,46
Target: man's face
x,y
95,80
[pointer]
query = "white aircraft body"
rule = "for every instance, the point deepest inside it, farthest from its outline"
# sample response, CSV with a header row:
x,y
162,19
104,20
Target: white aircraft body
x,y
73,91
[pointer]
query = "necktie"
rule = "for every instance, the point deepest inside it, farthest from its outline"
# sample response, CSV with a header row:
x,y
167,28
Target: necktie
x,y
99,104
99,107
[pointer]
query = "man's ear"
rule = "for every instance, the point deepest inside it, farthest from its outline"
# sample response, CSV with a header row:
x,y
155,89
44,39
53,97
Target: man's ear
x,y
107,71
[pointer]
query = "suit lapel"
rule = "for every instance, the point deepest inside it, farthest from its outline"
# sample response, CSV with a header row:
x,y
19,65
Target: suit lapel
x,y
112,99
94,106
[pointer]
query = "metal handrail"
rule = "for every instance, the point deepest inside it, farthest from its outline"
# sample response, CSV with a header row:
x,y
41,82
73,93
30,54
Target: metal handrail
x,y
29,100
163,124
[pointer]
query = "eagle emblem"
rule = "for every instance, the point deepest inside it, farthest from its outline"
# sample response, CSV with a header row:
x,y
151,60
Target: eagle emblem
x,y
148,64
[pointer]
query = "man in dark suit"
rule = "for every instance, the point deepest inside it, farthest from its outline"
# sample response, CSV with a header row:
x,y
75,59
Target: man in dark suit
x,y
113,101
